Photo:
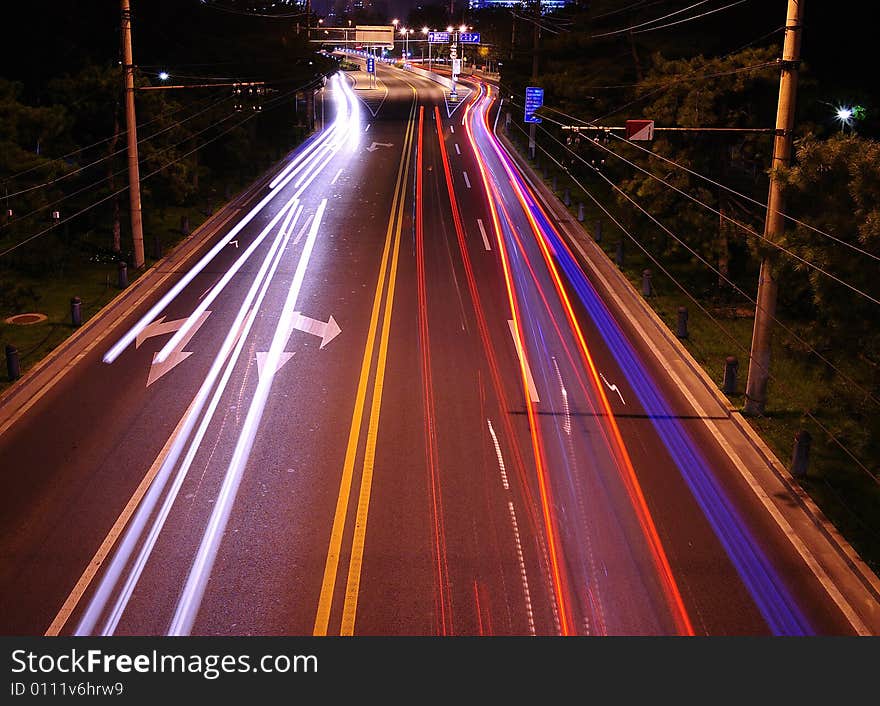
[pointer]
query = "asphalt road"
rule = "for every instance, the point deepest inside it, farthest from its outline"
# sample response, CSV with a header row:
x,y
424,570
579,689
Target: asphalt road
x,y
398,411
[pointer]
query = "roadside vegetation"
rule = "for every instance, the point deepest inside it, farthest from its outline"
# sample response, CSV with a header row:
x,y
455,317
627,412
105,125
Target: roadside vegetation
x,y
64,225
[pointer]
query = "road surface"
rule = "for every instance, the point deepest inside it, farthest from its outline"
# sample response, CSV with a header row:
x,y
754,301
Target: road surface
x,y
384,398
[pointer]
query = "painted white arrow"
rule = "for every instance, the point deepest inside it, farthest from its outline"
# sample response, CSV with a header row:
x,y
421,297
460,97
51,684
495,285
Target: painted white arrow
x,y
178,355
326,331
261,361
372,148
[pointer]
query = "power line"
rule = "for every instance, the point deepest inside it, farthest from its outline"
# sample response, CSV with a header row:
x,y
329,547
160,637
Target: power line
x,y
689,19
693,252
122,190
708,314
658,19
106,157
762,205
776,245
123,132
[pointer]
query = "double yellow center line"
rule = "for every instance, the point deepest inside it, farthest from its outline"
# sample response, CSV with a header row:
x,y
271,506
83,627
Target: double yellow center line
x,y
331,568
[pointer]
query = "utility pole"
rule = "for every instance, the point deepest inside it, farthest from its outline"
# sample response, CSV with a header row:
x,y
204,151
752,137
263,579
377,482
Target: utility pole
x,y
134,177
533,128
774,224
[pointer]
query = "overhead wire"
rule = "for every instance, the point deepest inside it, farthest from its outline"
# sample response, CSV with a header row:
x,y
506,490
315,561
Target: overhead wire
x,y
713,182
706,312
648,22
277,99
765,239
105,157
709,265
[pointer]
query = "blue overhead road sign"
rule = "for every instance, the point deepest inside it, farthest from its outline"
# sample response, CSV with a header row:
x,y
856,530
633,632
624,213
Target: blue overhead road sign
x,y
438,37
534,100
371,65
469,37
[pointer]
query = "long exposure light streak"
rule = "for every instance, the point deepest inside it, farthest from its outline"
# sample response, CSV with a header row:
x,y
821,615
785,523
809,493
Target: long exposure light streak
x,y
275,255
341,123
679,613
444,608
190,600
559,582
764,584
135,528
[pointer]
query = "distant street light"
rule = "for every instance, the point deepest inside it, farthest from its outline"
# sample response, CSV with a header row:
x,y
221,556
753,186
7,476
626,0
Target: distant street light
x,y
163,76
425,32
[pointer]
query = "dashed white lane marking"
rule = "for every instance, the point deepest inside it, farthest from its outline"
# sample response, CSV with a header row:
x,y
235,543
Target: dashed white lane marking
x,y
519,553
483,233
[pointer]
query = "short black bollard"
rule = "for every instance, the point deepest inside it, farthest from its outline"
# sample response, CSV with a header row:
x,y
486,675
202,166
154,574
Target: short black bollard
x,y
13,365
184,225
157,247
545,171
566,198
597,232
555,183
800,456
581,212
618,255
122,272
731,365
646,283
682,329
76,311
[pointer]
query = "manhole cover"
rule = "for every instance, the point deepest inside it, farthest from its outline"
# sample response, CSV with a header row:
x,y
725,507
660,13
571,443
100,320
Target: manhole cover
x,y
25,319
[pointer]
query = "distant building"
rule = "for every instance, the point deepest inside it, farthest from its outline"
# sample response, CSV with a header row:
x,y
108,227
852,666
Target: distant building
x,y
546,5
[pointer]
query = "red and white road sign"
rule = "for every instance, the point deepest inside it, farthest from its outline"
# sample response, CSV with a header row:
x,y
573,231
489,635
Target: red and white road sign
x,y
639,129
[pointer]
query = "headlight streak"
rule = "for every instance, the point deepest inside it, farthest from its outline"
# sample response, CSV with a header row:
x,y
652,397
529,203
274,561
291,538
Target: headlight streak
x,y
770,594
274,256
193,592
347,117
135,529
326,144
675,602
129,337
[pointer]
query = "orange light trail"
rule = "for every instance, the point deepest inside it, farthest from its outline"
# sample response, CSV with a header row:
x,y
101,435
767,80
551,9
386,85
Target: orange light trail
x,y
679,612
559,582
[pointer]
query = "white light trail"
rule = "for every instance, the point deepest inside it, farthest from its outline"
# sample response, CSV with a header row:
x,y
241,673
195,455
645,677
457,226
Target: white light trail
x,y
190,601
264,278
172,343
156,309
135,529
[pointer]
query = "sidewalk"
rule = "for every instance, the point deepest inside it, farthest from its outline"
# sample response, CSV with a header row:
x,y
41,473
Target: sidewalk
x,y
849,581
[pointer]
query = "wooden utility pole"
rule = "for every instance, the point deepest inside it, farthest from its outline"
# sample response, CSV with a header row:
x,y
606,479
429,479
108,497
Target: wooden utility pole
x,y
134,177
774,224
536,43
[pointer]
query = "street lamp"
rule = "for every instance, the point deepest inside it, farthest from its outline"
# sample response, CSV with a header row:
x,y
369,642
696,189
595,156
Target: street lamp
x,y
425,32
403,49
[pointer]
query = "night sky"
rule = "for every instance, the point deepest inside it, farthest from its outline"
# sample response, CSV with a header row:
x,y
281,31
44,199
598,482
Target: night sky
x,y
41,37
